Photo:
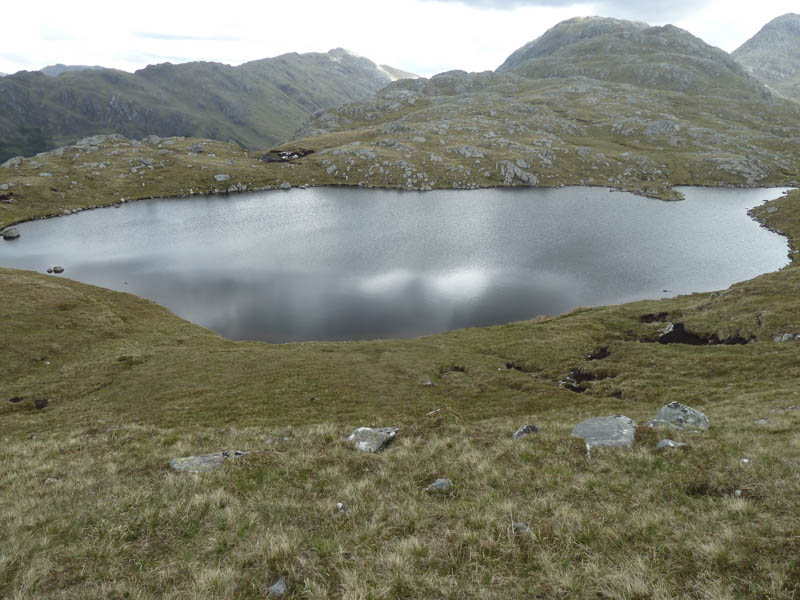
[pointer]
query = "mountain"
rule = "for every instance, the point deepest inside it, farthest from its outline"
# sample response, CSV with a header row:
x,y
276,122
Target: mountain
x,y
773,55
666,58
56,70
593,101
255,104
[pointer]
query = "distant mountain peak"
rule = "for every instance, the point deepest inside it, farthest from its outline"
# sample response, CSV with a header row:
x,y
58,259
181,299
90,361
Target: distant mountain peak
x,y
773,55
58,69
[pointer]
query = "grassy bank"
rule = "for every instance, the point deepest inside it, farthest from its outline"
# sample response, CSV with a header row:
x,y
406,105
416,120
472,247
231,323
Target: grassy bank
x,y
92,510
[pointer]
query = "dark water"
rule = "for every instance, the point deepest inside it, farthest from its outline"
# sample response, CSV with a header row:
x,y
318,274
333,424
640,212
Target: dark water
x,y
336,264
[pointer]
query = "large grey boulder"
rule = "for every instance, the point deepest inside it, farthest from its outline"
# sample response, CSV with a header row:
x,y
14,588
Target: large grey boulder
x,y
222,177
10,234
204,462
368,439
679,416
614,432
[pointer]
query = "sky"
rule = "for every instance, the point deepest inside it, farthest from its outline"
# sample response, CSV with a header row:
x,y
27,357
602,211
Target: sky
x,y
422,36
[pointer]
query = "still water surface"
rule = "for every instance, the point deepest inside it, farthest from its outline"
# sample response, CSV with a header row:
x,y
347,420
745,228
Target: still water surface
x,y
341,264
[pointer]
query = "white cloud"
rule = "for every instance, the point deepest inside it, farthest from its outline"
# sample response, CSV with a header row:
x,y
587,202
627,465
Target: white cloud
x,y
424,36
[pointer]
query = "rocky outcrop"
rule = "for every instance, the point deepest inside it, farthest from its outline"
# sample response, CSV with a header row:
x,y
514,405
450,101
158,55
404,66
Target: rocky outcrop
x,y
679,416
204,462
367,439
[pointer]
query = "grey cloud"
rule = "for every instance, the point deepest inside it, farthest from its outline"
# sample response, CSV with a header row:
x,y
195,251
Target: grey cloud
x,y
655,11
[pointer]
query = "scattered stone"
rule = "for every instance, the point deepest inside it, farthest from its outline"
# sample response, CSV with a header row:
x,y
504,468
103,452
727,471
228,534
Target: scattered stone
x,y
615,431
440,486
58,270
50,269
286,185
679,416
196,148
772,210
342,507
51,480
204,462
278,588
10,234
761,422
222,177
737,493
428,384
784,337
745,461
16,399
524,430
45,174
520,528
367,439
40,403
666,444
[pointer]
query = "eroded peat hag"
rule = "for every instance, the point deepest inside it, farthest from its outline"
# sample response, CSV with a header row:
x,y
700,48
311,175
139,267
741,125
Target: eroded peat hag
x,y
346,264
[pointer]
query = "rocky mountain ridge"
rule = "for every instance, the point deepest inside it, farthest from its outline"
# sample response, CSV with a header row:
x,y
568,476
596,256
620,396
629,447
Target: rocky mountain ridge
x,y
568,109
773,55
255,104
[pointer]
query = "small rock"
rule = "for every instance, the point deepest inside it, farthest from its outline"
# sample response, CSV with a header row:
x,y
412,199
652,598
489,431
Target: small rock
x,y
58,269
367,439
196,148
784,337
440,486
615,431
772,210
520,528
286,185
680,416
204,462
737,493
761,422
342,507
745,461
524,430
51,480
11,234
665,444
40,403
16,399
222,177
428,384
50,269
278,588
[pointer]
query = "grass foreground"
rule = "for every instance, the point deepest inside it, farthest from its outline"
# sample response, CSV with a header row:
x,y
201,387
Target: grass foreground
x,y
91,508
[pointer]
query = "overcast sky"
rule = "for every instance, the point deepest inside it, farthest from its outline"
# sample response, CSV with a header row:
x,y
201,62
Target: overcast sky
x,y
423,36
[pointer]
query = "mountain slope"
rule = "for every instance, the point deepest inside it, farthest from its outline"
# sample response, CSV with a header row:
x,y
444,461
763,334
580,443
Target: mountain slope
x,y
255,104
773,55
58,69
593,101
666,58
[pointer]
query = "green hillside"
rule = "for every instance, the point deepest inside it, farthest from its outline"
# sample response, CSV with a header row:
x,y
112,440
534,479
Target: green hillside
x,y
255,104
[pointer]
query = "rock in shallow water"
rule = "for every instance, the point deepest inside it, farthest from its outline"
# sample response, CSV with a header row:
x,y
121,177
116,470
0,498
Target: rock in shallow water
x,y
10,234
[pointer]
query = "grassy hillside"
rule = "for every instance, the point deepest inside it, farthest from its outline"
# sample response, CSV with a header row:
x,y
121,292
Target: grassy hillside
x,y
254,105
93,511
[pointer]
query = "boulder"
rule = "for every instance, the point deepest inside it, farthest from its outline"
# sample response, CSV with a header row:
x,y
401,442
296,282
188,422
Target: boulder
x,y
222,177
10,234
679,416
667,444
784,337
285,185
616,431
204,462
524,430
440,486
58,269
368,439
